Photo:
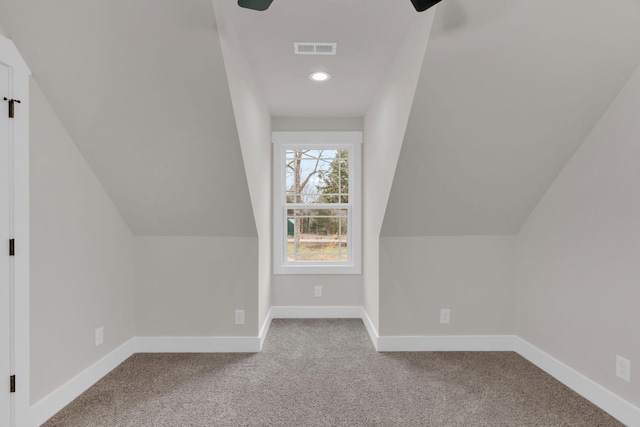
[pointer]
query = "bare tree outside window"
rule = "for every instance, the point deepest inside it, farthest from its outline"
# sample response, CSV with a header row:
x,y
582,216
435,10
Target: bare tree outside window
x,y
317,197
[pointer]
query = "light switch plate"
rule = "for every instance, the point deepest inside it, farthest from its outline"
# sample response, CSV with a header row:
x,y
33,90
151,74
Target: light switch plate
x,y
623,368
99,336
239,317
445,315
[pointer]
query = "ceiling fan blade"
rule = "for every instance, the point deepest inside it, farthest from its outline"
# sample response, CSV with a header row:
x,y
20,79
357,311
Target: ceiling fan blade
x,y
255,4
422,5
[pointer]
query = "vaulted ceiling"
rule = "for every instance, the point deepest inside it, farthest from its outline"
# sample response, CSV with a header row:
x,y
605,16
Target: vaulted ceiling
x,y
141,88
507,92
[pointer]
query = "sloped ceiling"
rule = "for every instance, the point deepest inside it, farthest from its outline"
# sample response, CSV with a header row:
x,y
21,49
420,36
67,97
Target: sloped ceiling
x,y
141,88
508,91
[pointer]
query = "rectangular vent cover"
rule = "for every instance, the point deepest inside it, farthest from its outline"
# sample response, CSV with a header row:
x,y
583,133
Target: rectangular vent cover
x,y
314,48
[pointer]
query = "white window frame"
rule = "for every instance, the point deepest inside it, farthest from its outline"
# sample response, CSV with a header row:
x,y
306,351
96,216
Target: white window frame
x,y
283,141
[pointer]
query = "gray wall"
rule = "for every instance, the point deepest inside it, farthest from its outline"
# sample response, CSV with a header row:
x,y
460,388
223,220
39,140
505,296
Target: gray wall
x,y
298,290
253,122
384,127
578,269
190,286
148,105
81,258
507,93
472,276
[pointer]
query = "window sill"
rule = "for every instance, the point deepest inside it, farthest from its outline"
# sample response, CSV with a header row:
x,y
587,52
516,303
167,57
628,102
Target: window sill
x,y
317,269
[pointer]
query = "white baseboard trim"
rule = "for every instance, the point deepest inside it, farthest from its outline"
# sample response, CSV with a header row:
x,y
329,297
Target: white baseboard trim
x,y
265,327
373,334
316,312
617,407
197,344
58,399
447,343
613,404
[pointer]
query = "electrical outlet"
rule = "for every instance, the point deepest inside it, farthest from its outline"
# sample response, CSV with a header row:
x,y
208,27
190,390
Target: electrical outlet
x,y
623,368
99,336
239,317
318,291
445,315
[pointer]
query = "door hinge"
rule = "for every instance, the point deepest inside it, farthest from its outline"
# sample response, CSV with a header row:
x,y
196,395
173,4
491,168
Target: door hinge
x,y
11,106
12,247
12,383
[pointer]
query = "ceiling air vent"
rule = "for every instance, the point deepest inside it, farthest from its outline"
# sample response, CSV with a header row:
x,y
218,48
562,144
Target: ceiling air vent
x,y
313,48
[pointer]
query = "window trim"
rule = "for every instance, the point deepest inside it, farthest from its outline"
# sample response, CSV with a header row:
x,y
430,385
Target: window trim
x,y
327,140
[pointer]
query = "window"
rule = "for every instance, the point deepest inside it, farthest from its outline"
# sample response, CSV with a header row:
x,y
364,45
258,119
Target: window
x,y
317,202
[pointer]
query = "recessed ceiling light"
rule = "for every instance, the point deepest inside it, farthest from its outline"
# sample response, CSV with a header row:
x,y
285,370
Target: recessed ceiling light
x,y
320,76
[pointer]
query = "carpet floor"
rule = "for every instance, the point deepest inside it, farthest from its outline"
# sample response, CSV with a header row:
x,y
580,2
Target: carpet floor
x,y
326,373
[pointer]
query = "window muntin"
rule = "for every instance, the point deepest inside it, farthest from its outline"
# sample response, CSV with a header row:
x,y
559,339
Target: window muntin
x,y
316,203
317,235
317,176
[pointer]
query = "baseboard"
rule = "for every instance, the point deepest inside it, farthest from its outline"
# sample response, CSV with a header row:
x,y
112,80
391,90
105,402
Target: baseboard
x,y
373,333
198,344
447,343
58,399
617,407
311,312
316,312
265,328
613,404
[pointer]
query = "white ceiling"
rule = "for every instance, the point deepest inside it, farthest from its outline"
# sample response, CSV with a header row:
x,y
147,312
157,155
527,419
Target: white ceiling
x,y
368,34
508,90
141,88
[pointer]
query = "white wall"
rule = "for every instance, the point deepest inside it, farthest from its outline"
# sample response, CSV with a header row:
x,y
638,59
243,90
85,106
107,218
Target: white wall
x,y
298,290
190,286
81,258
472,276
253,122
384,127
166,155
508,92
578,272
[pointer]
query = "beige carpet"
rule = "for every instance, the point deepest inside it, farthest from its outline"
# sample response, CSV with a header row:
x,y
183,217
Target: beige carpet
x,y
327,373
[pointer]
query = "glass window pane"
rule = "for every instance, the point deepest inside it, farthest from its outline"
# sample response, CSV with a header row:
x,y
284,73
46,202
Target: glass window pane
x,y
317,235
316,176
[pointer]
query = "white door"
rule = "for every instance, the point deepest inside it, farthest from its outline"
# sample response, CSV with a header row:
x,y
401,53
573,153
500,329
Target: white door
x,y
6,293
